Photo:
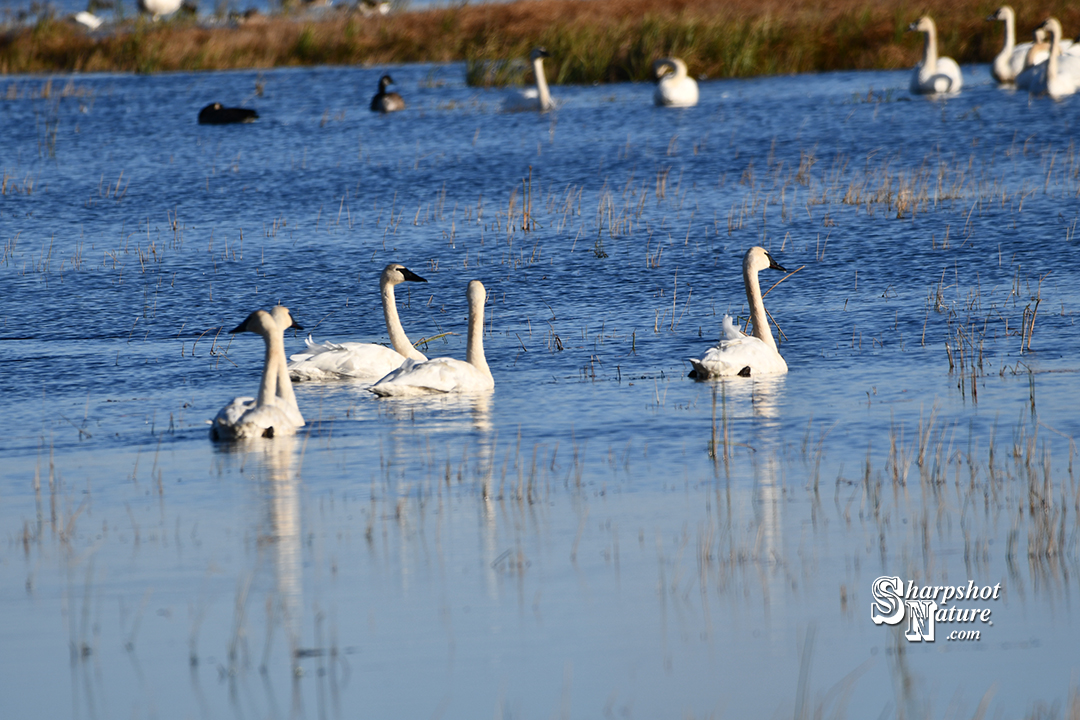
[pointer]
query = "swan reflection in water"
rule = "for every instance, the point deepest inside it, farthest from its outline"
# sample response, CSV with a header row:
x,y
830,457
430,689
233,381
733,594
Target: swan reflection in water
x,y
271,464
278,536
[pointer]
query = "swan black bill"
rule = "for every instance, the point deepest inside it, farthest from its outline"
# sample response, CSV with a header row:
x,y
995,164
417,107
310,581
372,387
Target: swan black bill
x,y
411,276
295,325
773,265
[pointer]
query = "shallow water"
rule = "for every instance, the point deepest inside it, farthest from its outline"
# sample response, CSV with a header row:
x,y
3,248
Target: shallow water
x,y
584,541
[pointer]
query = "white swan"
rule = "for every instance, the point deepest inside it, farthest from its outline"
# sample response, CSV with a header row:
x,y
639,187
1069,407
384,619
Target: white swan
x,y
739,354
364,361
446,375
934,74
157,8
274,411
673,87
88,19
1059,74
538,98
1008,63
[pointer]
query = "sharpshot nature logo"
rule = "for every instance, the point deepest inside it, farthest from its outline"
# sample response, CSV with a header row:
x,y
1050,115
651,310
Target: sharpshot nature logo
x,y
893,602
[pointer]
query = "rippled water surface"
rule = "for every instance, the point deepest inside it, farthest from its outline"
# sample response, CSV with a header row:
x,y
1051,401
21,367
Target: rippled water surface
x,y
602,535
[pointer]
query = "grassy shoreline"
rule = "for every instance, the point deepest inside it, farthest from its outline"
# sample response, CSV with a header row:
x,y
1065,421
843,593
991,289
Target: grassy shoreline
x,y
590,40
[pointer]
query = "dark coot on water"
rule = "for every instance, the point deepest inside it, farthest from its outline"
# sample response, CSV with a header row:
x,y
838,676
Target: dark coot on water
x,y
215,114
385,102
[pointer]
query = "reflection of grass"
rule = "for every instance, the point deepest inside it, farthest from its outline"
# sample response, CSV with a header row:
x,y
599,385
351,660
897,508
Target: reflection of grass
x,y
601,40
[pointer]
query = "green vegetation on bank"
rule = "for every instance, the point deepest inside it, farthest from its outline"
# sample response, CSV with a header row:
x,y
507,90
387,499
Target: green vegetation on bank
x,y
589,40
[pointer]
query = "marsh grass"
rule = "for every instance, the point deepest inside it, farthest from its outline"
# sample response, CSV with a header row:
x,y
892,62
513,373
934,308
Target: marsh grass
x,y
597,41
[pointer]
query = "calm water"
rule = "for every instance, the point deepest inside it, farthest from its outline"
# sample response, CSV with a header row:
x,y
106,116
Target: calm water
x,y
575,544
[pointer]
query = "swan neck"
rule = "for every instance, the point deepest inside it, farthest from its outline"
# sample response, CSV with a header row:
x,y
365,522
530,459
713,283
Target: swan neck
x,y
1010,31
757,308
930,51
398,338
474,351
284,384
1052,61
541,83
275,346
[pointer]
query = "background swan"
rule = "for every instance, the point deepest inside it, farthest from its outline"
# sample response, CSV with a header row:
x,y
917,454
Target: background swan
x,y
385,102
739,354
673,87
1059,74
1010,61
274,411
934,74
157,8
446,375
538,98
364,361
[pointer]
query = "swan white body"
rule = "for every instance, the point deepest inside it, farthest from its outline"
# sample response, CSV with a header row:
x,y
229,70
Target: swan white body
x,y
1059,75
362,361
157,8
934,75
274,412
739,354
533,99
674,88
88,19
446,375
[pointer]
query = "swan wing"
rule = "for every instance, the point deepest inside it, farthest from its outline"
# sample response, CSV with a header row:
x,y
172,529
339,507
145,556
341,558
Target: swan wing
x,y
325,361
441,375
746,356
676,92
730,331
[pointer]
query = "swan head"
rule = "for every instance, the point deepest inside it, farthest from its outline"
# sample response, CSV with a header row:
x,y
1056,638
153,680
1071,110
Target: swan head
x,y
476,293
664,66
284,318
1003,13
1050,27
395,273
259,322
384,81
758,258
538,53
923,24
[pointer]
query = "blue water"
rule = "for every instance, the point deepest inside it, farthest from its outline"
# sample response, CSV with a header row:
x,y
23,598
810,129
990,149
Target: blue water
x,y
568,545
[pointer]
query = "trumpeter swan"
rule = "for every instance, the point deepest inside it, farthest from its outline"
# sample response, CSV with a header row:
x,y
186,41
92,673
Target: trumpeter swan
x,y
274,411
157,8
446,375
934,74
1008,63
363,361
385,102
538,98
217,114
673,87
1059,74
739,354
